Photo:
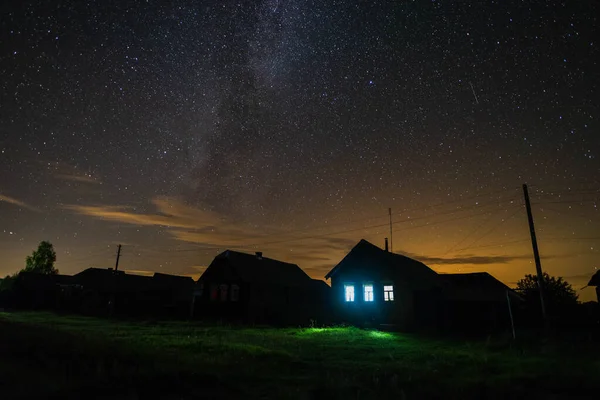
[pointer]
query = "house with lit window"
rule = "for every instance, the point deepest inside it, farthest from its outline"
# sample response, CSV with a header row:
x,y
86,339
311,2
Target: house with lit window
x,y
251,288
373,285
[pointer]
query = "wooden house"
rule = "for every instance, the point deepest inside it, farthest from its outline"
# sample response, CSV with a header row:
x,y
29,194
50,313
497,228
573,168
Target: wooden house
x,y
476,301
161,295
251,288
35,291
374,286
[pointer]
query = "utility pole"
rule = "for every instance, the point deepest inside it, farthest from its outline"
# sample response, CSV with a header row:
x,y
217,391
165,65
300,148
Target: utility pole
x,y
536,253
118,256
391,234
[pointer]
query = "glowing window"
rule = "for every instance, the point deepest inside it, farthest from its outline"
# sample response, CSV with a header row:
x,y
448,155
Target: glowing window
x,y
235,292
349,292
368,289
388,293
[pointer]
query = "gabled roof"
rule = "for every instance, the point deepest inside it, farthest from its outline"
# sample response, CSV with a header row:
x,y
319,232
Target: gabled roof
x,y
365,251
595,281
476,286
254,269
320,285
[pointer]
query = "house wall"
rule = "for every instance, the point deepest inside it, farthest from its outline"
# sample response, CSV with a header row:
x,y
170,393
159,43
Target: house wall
x,y
398,312
263,303
416,297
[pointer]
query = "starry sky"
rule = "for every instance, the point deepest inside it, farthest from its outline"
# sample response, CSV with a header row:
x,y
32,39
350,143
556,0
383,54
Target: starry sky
x,y
180,129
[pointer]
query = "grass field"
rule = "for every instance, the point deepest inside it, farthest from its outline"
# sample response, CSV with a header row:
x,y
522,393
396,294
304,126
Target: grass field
x,y
48,356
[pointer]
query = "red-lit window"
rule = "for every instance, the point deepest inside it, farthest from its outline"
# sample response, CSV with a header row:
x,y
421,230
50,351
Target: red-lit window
x,y
223,292
214,292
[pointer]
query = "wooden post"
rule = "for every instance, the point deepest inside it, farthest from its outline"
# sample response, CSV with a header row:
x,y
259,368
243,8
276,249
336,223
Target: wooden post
x,y
536,253
512,322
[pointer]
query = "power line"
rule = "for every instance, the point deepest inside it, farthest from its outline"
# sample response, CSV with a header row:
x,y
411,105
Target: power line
x,y
568,202
254,245
393,214
379,226
498,244
553,239
467,236
586,217
502,221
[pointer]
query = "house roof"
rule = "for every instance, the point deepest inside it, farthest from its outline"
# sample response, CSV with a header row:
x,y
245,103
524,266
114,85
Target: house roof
x,y
476,286
595,280
254,269
320,285
37,278
101,278
173,279
365,251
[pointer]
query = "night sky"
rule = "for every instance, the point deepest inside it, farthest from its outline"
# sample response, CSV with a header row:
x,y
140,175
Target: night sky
x,y
183,128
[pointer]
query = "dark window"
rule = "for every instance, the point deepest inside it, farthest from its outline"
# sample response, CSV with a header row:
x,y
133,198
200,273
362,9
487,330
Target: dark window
x,y
235,292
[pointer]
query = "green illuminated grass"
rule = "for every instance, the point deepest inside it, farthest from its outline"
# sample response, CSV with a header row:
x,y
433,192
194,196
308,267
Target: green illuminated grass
x,y
69,356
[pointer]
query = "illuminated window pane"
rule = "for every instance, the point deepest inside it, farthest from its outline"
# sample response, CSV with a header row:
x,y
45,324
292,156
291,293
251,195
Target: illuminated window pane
x,y
349,292
368,292
388,293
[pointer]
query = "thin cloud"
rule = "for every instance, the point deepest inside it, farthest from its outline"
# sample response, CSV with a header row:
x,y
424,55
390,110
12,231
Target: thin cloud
x,y
210,231
18,203
78,178
171,213
468,259
139,272
68,172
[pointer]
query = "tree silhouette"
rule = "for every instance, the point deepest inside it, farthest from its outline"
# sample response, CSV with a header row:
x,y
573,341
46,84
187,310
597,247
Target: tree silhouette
x,y
42,260
558,293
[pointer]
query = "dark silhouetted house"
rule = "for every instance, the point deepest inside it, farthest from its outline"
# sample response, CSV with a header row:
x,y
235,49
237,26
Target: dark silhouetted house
x,y
174,294
35,291
256,289
373,285
161,295
379,287
475,301
595,281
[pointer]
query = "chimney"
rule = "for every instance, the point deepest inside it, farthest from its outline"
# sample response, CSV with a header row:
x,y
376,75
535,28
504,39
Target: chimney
x,y
259,255
386,245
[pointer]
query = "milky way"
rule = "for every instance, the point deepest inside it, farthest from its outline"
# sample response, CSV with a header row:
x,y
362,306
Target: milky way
x,y
183,128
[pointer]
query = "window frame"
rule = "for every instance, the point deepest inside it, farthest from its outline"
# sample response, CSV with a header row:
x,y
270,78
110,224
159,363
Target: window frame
x,y
388,293
214,292
352,297
368,296
223,292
